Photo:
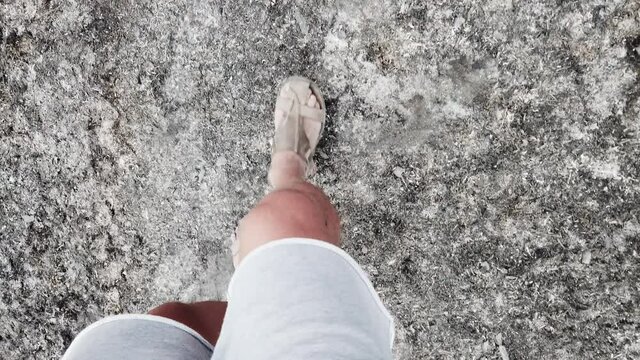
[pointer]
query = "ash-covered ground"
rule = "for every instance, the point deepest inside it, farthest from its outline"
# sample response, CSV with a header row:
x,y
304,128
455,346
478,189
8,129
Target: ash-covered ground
x,y
484,156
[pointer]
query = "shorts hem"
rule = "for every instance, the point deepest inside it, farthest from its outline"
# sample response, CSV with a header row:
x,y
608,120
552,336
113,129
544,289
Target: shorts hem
x,y
146,317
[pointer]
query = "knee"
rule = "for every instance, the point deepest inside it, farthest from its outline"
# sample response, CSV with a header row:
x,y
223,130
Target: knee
x,y
301,211
283,213
302,206
295,204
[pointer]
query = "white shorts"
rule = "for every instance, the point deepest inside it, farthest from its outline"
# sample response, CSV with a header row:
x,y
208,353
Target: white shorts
x,y
289,299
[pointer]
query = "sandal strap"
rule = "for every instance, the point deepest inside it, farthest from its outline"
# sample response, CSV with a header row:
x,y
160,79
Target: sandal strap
x,y
312,113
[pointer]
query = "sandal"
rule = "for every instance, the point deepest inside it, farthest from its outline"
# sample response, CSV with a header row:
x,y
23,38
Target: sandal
x,y
299,126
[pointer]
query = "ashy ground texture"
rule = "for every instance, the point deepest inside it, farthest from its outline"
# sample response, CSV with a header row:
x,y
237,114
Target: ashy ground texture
x,y
484,155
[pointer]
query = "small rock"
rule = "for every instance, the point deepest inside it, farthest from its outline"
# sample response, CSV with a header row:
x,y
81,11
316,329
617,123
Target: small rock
x,y
486,347
499,339
222,161
503,352
28,219
586,257
477,351
398,171
458,22
302,22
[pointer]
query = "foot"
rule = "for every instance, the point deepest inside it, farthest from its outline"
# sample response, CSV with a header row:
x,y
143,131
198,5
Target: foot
x,y
299,121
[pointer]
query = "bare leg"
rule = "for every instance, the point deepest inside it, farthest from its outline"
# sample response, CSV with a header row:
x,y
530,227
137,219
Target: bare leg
x,y
294,208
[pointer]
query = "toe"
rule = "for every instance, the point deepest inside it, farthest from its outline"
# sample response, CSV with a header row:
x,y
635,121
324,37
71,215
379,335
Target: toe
x,y
313,102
